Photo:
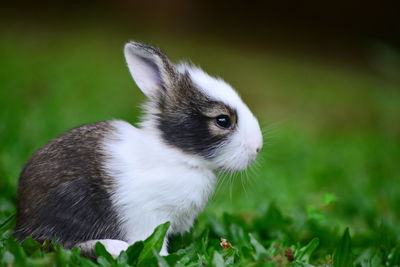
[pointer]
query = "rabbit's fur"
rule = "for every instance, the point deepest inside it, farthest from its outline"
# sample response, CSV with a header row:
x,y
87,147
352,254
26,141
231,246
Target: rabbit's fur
x,y
114,183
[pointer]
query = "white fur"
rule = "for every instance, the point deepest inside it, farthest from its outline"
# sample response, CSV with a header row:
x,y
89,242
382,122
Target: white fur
x,y
155,183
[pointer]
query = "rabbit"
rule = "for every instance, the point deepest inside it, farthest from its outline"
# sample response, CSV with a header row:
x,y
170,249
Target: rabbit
x,y
113,183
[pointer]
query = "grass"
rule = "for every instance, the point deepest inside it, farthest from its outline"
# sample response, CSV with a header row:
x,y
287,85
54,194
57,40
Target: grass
x,y
324,192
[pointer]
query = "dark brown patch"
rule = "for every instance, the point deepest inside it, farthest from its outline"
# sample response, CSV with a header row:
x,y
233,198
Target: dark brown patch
x,y
64,193
186,118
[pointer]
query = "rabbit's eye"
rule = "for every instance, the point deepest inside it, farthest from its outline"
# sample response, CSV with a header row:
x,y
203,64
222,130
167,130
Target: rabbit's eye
x,y
223,121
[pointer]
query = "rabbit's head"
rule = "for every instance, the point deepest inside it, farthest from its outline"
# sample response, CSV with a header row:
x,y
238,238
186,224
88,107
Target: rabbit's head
x,y
193,111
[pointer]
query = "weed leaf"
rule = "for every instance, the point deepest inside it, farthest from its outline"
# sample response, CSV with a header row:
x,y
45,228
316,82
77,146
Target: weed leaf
x,y
260,251
218,260
155,241
304,254
103,257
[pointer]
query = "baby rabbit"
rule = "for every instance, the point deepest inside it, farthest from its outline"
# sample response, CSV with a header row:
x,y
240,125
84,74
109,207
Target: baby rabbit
x,y
113,183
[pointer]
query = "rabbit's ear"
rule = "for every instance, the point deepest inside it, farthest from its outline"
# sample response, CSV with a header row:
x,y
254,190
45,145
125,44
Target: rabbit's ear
x,y
150,68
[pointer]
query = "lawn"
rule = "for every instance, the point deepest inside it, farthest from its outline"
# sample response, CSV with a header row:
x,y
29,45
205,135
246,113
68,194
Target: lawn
x,y
325,190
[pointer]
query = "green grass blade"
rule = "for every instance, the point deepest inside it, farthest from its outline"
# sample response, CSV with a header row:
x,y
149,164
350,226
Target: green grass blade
x,y
343,255
7,223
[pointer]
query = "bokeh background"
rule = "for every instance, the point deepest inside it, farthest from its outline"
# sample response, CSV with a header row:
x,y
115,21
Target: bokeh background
x,y
322,77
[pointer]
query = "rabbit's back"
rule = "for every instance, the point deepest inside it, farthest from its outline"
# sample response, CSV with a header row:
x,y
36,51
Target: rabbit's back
x,y
64,192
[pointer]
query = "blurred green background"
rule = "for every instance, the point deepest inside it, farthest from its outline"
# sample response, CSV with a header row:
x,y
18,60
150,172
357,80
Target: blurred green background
x,y
323,81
